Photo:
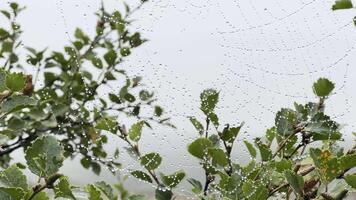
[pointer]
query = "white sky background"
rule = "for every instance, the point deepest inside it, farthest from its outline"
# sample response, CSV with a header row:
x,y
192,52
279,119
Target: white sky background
x,y
261,55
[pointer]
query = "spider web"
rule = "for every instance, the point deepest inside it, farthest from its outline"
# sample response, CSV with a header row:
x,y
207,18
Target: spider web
x,y
261,55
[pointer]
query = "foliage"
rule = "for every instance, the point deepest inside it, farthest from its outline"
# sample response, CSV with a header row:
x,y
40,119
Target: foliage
x,y
282,164
61,112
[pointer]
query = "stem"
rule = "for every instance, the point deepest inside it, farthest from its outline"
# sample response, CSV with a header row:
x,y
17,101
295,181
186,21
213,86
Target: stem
x,y
284,142
207,175
49,184
138,153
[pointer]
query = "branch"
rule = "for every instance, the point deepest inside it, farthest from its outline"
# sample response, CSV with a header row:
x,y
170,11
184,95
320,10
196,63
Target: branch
x,y
49,184
138,153
18,144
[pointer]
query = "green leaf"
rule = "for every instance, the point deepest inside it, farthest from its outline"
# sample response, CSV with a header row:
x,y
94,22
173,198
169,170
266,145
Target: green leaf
x,y
197,125
129,97
97,62
6,14
41,196
114,98
209,98
214,119
135,40
229,134
351,180
330,167
342,4
295,181
110,57
347,161
266,153
7,46
199,148
44,157
79,34
253,191
11,193
106,189
125,51
142,175
282,165
163,194
16,124
158,111
14,6
135,131
63,189
250,149
151,161
13,177
93,192
15,81
197,186
219,157
285,121
107,124
16,102
3,33
173,180
323,87
137,197
2,81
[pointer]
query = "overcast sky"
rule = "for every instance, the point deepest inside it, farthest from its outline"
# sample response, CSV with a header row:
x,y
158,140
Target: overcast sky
x,y
261,55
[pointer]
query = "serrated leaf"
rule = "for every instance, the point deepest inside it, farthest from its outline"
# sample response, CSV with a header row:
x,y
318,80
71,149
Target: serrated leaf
x,y
265,151
253,191
93,192
142,175
295,181
44,157
13,177
151,161
63,189
285,121
323,87
209,98
16,102
15,81
107,124
135,131
106,189
11,193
